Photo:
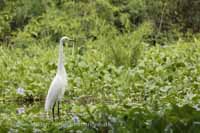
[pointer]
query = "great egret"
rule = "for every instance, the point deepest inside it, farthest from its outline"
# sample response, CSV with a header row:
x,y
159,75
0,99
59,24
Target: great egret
x,y
57,87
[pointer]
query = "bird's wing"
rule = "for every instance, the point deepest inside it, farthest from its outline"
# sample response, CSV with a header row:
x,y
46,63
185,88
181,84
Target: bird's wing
x,y
53,93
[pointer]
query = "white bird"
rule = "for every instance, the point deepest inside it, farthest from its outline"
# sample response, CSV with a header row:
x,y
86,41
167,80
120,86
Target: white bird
x,y
57,87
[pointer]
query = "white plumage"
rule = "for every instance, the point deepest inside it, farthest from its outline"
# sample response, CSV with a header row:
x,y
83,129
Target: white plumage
x,y
56,91
57,87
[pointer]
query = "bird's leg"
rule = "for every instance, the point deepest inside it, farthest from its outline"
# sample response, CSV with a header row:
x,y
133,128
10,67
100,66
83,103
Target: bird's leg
x,y
58,110
53,112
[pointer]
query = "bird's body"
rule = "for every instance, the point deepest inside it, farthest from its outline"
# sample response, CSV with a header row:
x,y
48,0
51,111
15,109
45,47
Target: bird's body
x,y
56,91
59,83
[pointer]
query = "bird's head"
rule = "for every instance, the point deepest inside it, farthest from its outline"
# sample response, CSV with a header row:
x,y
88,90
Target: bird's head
x,y
65,38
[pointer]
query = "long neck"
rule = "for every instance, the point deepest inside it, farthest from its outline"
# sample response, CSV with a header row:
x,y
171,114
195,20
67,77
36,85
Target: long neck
x,y
61,67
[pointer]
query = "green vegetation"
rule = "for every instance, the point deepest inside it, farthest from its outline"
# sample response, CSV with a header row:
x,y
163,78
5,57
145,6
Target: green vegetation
x,y
135,65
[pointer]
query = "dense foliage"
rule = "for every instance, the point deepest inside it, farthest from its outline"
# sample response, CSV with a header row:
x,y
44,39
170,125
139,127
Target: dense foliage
x,y
121,76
